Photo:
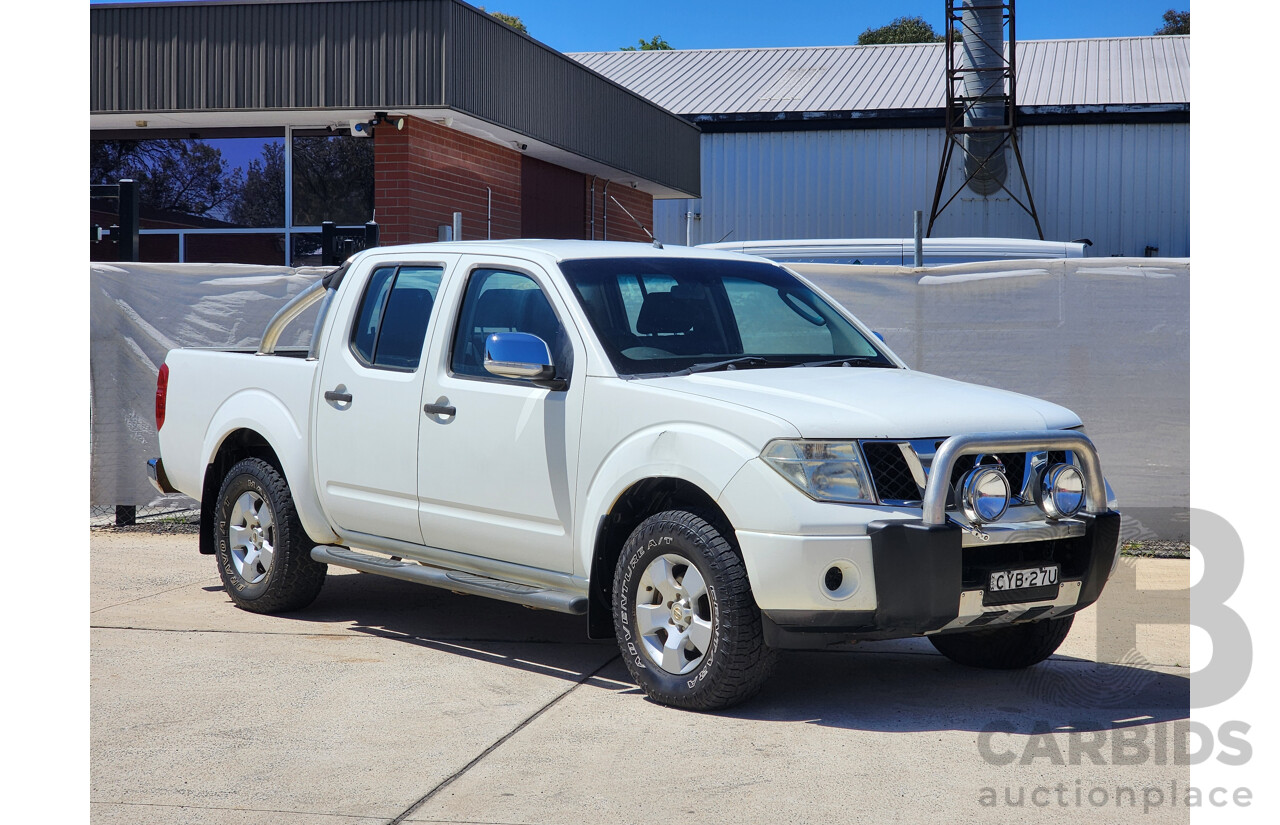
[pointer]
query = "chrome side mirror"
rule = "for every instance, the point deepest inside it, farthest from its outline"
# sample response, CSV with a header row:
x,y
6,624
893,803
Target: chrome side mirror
x,y
518,355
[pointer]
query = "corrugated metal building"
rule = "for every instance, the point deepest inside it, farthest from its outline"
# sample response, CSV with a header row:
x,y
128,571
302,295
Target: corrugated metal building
x,y
399,112
845,141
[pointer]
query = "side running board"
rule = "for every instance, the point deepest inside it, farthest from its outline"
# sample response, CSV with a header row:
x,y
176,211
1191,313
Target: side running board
x,y
459,582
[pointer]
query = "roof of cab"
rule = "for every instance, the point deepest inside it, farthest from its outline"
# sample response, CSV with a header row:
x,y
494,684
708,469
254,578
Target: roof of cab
x,y
561,250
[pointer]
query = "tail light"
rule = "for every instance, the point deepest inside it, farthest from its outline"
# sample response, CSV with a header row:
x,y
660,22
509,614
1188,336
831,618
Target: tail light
x,y
162,394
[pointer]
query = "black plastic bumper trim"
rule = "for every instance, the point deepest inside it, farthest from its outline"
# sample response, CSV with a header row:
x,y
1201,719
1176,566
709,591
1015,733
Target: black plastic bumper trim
x,y
918,574
919,578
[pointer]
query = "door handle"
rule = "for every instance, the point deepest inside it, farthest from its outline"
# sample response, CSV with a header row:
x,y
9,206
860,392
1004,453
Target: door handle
x,y
337,397
439,409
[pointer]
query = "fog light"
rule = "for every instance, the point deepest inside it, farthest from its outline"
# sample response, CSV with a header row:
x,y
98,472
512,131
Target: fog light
x,y
841,579
983,494
1060,493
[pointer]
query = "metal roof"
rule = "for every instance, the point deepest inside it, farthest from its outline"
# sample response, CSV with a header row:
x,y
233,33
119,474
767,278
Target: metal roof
x,y
1119,71
317,62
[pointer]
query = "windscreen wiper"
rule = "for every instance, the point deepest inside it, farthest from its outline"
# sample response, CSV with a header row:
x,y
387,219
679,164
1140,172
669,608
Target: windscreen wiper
x,y
741,362
849,361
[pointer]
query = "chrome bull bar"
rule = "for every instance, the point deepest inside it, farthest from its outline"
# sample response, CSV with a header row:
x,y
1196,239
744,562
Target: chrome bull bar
x,y
944,461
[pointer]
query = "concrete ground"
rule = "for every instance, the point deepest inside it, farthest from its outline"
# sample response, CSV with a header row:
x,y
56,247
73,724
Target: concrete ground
x,y
392,702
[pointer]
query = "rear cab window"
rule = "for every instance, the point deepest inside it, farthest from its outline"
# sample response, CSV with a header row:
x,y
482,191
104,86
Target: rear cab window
x,y
394,313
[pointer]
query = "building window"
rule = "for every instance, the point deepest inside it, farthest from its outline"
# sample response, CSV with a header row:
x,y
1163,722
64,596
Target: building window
x,y
226,199
332,180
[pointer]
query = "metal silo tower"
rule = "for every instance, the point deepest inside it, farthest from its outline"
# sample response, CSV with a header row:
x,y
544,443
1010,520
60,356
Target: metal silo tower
x,y
982,104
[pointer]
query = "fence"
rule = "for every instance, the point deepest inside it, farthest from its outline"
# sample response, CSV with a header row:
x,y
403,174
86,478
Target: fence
x,y
1106,337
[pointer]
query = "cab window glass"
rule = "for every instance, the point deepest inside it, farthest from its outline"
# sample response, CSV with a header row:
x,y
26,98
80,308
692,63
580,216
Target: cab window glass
x,y
500,301
394,314
365,333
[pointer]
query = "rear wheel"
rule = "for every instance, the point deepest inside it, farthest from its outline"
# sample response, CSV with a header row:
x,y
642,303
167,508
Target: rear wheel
x,y
1005,648
687,624
264,556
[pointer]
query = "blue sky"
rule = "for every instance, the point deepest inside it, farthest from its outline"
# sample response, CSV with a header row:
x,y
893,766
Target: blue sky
x,y
574,25
583,25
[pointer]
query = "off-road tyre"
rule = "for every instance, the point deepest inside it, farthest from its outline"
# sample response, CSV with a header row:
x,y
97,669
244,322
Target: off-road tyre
x,y
736,661
1005,648
293,579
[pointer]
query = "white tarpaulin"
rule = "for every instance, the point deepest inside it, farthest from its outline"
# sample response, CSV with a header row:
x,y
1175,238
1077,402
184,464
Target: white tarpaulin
x,y
1106,337
137,313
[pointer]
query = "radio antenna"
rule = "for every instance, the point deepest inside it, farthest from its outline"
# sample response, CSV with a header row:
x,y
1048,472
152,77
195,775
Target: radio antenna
x,y
656,245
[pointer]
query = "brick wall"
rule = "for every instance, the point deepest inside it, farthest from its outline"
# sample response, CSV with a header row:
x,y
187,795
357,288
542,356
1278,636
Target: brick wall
x,y
428,171
620,228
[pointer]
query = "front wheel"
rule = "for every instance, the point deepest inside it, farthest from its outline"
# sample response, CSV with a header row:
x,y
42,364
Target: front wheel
x,y
1005,648
264,556
687,624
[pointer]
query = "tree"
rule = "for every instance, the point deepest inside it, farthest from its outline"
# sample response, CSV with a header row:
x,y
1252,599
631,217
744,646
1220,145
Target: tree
x,y
184,176
260,201
1176,22
654,44
332,180
901,30
510,19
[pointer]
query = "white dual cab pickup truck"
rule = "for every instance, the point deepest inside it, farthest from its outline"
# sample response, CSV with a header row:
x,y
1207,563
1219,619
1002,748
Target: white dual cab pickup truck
x,y
698,450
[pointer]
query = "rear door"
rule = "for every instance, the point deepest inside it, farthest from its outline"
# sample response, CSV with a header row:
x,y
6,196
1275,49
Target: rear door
x,y
366,422
495,475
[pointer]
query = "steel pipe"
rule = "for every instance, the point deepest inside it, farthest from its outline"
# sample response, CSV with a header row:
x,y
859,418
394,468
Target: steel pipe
x,y
944,461
300,304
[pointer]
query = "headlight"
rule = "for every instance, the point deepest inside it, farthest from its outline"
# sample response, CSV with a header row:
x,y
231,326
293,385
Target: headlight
x,y
825,470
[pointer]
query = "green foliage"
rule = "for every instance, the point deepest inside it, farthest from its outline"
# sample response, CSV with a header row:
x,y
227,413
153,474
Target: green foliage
x,y
510,19
901,30
653,44
1175,22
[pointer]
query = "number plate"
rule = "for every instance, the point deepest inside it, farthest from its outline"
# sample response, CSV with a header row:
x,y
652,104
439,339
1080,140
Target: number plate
x,y
1024,579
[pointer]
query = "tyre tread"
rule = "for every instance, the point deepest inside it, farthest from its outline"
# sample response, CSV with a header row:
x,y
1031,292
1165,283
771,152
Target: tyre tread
x,y
748,660
296,578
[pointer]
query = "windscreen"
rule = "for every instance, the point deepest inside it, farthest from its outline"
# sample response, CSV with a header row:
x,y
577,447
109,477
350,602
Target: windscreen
x,y
670,315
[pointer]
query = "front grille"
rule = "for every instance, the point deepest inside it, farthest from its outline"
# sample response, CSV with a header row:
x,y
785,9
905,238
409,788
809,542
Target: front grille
x,y
894,482
1015,468
889,471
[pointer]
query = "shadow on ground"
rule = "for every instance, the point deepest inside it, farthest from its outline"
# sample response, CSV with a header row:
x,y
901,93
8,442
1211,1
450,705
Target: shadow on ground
x,y
905,686
900,685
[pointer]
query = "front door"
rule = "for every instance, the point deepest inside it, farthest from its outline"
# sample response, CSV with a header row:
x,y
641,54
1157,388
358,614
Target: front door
x,y
495,475
367,414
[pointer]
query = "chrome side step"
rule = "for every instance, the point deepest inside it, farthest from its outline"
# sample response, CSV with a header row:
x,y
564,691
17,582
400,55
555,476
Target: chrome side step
x,y
458,581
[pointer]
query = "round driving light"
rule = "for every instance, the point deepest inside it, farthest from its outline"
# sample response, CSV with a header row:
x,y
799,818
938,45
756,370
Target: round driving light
x,y
1060,493
983,494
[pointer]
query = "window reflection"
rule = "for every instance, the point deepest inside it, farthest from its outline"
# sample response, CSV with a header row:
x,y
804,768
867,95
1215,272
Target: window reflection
x,y
332,180
206,188
197,183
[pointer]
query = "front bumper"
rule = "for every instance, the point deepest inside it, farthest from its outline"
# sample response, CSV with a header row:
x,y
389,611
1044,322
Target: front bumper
x,y
927,581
